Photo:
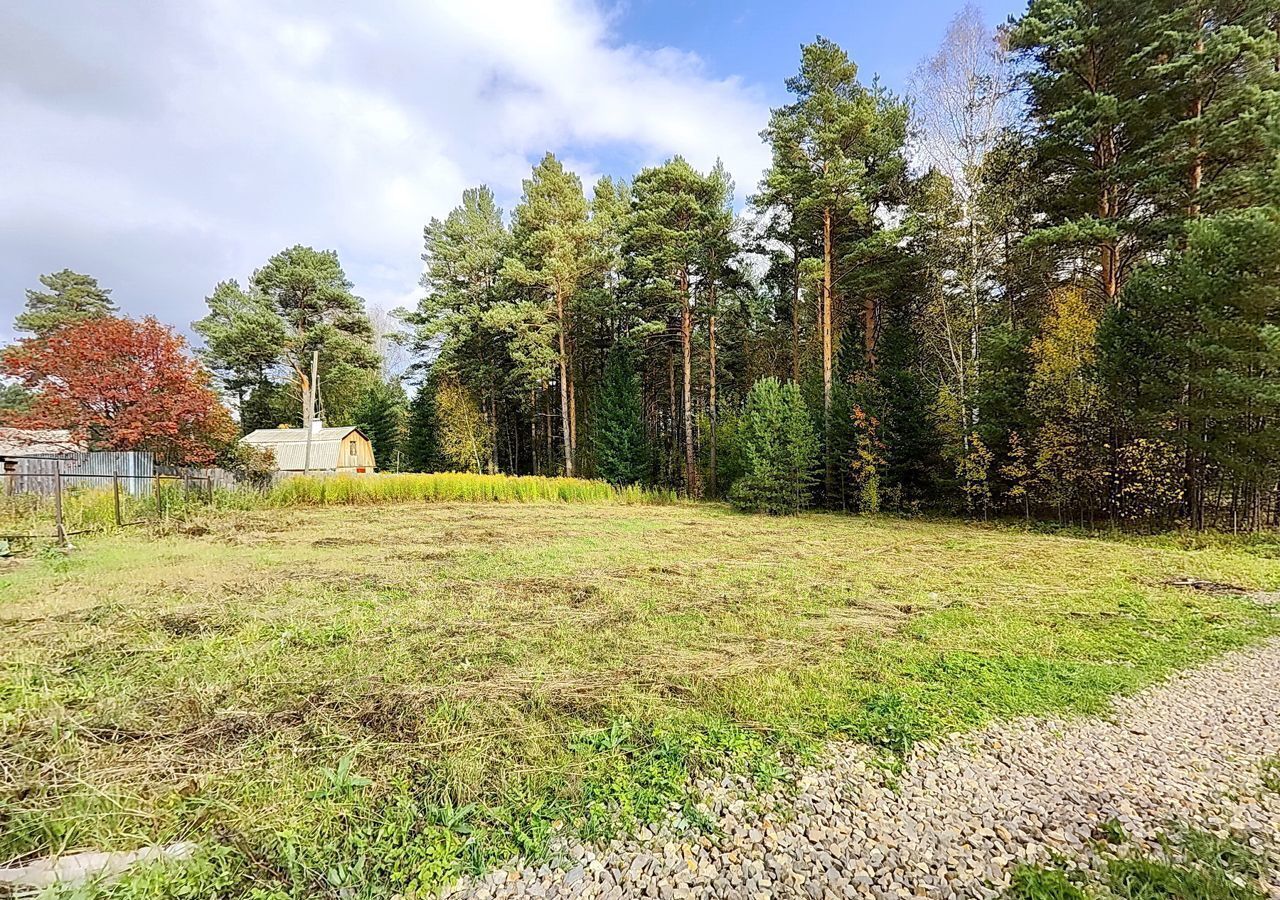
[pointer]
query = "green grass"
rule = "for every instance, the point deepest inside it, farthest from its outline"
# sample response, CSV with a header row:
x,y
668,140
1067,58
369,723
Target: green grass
x,y
1194,865
1035,883
334,699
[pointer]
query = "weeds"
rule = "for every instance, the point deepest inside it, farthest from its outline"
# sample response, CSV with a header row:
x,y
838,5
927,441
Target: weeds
x,y
1034,883
1271,774
450,487
1193,865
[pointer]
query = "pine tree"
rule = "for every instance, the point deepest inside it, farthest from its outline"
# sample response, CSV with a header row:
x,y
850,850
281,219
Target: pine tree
x,y
1088,87
1219,109
70,297
554,251
311,295
243,336
665,244
838,148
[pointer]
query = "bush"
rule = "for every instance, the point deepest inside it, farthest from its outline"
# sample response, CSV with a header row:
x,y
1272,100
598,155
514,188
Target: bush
x,y
251,465
779,450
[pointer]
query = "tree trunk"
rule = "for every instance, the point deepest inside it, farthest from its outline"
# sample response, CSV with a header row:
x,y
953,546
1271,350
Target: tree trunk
x,y
795,315
869,318
1196,176
686,346
711,394
1109,250
566,430
827,251
573,410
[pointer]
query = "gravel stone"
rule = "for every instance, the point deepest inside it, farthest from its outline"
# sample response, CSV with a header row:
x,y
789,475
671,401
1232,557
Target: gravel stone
x,y
964,810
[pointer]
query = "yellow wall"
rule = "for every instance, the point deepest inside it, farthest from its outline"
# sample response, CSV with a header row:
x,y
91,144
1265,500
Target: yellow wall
x,y
362,457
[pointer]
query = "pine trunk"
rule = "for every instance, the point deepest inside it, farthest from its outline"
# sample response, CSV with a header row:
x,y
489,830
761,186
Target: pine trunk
x,y
686,346
869,318
566,430
795,316
827,252
1196,176
711,393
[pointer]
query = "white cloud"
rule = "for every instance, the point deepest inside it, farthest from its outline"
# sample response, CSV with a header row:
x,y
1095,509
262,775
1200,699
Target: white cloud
x,y
177,146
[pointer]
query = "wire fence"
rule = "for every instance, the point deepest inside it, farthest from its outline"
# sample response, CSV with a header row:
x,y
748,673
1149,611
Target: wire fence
x,y
58,504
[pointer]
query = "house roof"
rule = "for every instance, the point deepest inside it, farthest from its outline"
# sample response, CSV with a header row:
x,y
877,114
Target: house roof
x,y
38,442
290,445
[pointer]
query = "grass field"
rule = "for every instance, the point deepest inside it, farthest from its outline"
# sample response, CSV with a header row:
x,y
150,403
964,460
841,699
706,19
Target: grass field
x,y
377,698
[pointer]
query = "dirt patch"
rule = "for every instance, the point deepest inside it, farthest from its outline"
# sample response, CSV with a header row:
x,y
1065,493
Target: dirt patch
x,y
1208,587
185,622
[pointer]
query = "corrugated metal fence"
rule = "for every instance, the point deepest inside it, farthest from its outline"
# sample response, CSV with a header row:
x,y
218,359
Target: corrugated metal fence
x,y
35,474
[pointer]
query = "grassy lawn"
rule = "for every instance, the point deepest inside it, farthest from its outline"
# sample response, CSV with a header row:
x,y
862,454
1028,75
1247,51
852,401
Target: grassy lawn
x,y
386,696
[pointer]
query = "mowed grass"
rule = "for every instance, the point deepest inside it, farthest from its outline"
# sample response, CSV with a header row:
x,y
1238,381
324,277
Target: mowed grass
x,y
369,700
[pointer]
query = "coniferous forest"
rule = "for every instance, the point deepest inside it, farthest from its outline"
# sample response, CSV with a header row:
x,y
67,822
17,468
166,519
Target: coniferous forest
x,y
1045,283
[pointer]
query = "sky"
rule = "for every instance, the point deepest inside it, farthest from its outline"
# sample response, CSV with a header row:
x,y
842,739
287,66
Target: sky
x,y
163,147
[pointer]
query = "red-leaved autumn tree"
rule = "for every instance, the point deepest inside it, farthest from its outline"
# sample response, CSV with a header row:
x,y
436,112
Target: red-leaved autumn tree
x,y
121,384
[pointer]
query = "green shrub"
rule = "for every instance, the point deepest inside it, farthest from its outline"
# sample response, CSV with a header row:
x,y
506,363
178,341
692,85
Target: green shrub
x,y
779,450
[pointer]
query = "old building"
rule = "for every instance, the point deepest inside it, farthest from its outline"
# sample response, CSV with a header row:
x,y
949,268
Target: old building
x,y
339,450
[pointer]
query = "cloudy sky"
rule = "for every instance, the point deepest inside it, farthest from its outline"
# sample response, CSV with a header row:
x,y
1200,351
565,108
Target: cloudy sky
x,y
163,147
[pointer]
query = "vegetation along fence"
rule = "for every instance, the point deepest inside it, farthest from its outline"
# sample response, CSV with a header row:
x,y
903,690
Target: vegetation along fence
x,y
59,496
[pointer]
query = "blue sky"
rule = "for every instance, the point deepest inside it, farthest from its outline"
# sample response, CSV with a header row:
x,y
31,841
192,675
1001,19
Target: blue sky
x,y
165,147
760,41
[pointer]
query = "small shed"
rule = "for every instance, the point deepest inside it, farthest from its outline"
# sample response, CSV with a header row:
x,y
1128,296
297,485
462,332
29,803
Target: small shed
x,y
339,450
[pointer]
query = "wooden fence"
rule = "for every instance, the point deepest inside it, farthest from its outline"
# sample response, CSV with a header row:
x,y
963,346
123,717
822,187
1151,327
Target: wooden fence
x,y
35,474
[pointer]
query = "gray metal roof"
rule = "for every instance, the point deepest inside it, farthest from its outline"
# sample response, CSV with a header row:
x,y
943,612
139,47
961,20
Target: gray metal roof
x,y
290,445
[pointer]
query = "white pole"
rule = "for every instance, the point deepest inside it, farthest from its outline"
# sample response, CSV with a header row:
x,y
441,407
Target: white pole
x,y
311,406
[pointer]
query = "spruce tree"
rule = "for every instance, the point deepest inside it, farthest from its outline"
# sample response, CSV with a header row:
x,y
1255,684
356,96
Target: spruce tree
x,y
1194,353
422,438
779,449
618,439
382,417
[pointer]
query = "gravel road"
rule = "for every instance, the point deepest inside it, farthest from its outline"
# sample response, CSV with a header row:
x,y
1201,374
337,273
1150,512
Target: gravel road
x,y
964,811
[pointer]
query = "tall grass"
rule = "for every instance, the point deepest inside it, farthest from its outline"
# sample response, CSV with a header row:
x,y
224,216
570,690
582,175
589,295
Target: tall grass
x,y
93,509
454,487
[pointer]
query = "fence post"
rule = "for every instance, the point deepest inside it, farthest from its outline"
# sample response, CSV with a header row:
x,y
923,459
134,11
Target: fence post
x,y
159,497
115,490
57,504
